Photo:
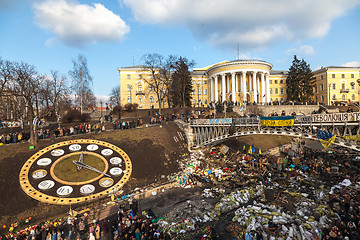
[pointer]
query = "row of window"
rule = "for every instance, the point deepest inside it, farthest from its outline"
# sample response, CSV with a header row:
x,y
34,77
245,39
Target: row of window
x,y
199,102
333,86
140,100
334,75
343,97
277,91
199,91
199,82
276,81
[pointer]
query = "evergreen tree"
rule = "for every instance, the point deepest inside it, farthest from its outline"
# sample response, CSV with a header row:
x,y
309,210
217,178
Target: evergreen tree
x,y
300,81
181,84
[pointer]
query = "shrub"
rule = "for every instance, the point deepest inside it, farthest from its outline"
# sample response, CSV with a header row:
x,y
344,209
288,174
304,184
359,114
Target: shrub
x,y
131,107
75,115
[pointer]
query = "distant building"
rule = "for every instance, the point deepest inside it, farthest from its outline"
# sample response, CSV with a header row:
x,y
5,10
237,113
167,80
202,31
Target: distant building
x,y
337,85
242,81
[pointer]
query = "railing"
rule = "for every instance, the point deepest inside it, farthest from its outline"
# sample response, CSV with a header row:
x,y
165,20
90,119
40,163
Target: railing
x,y
337,118
140,93
344,90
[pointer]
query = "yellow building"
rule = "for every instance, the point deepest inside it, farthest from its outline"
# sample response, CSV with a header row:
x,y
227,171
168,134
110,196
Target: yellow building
x,y
239,81
278,86
337,85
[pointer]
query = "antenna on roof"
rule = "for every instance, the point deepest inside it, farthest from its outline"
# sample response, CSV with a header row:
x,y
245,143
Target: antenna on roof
x,y
238,52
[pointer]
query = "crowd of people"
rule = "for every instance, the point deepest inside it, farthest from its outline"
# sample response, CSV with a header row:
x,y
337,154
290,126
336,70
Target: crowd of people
x,y
128,224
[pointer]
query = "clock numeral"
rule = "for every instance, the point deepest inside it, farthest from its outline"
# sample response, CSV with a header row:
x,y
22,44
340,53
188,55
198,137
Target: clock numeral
x,y
116,171
106,182
115,160
43,161
57,152
106,152
39,173
64,190
74,147
92,147
87,189
47,184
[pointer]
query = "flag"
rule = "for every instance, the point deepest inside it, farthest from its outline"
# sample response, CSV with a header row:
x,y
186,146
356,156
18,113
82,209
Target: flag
x,y
253,148
244,147
260,151
326,139
250,150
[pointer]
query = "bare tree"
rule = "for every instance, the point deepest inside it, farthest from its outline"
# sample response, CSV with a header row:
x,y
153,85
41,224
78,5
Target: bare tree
x,y
26,84
58,91
160,75
6,73
81,80
115,96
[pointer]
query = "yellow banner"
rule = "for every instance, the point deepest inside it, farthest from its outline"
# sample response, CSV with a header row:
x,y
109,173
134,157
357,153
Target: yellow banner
x,y
353,137
277,123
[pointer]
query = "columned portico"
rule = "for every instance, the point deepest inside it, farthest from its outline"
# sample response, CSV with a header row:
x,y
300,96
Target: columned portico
x,y
253,76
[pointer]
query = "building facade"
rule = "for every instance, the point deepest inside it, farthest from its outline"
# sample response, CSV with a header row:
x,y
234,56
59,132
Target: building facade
x,y
337,85
242,81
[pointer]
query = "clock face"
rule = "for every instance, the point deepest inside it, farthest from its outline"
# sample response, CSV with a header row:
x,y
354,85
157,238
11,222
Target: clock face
x,y
75,171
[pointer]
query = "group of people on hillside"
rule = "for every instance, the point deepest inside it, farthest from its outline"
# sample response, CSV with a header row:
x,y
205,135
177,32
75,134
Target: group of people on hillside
x,y
128,223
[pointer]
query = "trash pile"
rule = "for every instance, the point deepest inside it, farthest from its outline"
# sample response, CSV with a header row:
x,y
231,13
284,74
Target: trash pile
x,y
290,196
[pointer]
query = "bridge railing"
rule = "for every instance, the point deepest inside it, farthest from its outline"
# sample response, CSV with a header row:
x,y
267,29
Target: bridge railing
x,y
335,118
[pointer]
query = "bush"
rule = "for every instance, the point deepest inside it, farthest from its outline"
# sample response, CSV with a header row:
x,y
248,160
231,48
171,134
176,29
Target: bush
x,y
219,107
131,107
75,115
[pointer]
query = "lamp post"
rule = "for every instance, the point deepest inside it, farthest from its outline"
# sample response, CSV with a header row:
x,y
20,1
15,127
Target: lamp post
x,y
358,81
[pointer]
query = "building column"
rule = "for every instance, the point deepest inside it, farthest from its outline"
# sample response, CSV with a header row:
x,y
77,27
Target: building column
x,y
223,88
267,88
254,87
243,87
233,92
210,90
216,88
263,87
236,84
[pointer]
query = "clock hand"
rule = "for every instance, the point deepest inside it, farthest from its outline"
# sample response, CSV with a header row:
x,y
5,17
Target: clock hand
x,y
81,159
78,163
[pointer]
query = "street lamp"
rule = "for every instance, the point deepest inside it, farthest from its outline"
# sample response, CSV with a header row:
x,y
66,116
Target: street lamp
x,y
358,81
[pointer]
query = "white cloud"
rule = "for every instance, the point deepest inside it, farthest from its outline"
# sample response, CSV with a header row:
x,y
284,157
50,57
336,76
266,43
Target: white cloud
x,y
102,98
79,24
302,50
351,64
253,24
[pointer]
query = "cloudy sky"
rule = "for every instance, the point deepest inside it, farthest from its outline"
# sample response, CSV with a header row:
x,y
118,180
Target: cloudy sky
x,y
110,34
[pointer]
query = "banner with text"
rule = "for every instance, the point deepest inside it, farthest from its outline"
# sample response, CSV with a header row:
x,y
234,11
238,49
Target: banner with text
x,y
281,121
336,117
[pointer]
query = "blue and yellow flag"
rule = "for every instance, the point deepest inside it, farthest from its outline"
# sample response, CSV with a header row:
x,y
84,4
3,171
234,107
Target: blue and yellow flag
x,y
250,150
253,148
260,151
326,139
244,147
